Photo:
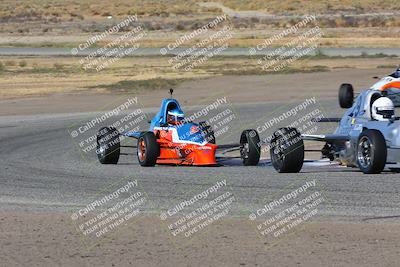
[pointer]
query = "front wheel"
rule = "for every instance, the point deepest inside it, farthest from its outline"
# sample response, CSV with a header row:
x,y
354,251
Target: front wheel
x,y
250,148
148,149
371,152
287,150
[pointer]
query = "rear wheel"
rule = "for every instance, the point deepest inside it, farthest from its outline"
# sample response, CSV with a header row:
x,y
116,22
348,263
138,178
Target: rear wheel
x,y
148,149
346,95
208,132
108,145
287,150
250,149
371,152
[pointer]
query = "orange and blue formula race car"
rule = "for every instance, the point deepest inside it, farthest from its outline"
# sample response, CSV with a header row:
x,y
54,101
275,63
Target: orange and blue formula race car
x,y
172,140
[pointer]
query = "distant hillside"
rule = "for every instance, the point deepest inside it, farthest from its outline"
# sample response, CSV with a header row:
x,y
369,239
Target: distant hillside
x,y
74,16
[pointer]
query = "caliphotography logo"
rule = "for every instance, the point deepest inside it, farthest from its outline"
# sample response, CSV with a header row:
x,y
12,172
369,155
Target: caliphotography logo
x,y
289,211
102,134
199,210
109,211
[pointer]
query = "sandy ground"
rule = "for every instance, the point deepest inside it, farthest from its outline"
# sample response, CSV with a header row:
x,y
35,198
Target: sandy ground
x,y
333,37
239,89
51,240
63,75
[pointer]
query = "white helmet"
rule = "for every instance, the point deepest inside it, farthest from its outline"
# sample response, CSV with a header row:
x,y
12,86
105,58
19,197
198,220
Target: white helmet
x,y
383,109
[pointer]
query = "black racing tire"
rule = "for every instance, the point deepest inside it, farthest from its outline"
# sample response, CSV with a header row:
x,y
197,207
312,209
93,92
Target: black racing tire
x,y
287,150
346,95
371,152
250,149
148,149
208,132
108,145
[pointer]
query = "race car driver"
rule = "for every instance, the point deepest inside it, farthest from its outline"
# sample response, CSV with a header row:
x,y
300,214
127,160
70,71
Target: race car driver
x,y
396,74
383,109
175,116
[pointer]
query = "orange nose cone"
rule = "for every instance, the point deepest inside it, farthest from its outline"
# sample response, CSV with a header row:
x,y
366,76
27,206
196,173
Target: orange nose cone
x,y
204,155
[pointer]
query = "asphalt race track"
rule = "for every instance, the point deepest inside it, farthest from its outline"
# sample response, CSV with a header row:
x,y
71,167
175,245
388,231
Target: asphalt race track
x,y
42,169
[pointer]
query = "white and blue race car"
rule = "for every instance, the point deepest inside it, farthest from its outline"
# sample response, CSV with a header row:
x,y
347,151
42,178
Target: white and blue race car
x,y
367,137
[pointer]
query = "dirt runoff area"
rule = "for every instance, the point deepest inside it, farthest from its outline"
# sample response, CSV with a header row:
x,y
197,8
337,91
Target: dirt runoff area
x,y
51,240
238,88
